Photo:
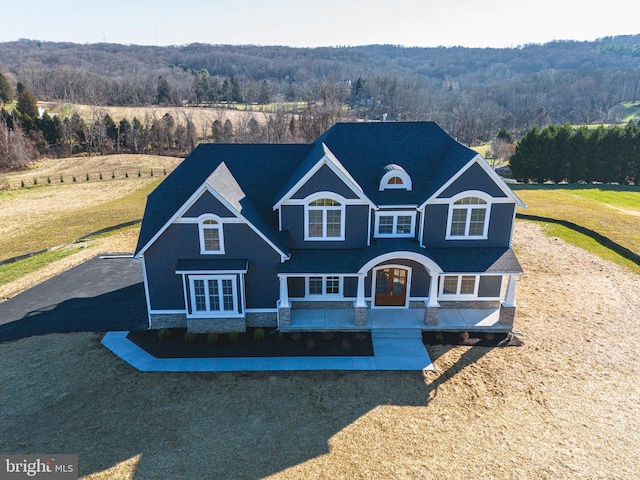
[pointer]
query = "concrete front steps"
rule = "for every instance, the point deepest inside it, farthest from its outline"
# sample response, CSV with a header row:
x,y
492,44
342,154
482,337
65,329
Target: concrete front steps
x,y
400,349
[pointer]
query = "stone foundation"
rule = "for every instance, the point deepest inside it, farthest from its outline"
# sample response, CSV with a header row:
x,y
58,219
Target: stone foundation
x,y
264,319
284,317
322,305
495,304
360,316
507,315
216,325
431,316
169,320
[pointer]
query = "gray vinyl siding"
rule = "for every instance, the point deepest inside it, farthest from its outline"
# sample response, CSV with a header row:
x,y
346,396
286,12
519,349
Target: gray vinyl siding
x,y
356,228
324,180
296,286
207,203
474,178
489,286
181,241
498,235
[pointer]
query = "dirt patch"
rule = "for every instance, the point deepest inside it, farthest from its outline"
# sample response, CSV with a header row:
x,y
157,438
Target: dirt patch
x,y
564,405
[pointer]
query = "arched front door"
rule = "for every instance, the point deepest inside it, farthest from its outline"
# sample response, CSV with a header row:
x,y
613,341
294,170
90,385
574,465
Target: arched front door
x,y
391,287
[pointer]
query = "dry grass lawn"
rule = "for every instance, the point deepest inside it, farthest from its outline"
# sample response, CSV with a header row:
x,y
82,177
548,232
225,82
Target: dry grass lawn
x,y
565,405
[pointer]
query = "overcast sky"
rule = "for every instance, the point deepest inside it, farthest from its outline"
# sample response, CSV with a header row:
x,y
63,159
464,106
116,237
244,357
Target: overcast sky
x,y
470,23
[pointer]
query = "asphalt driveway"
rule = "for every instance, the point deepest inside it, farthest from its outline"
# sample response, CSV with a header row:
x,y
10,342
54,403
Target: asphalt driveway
x,y
96,296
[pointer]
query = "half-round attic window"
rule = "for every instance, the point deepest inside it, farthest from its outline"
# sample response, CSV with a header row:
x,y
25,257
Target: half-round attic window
x,y
395,178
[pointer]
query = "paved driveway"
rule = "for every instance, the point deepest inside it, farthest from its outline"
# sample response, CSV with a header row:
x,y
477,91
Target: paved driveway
x,y
96,296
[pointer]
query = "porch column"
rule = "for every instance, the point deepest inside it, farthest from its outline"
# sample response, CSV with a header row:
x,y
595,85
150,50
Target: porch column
x,y
284,293
433,307
360,295
508,307
510,295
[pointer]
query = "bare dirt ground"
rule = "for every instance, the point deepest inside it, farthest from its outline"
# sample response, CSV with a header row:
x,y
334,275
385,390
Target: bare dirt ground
x,y
564,405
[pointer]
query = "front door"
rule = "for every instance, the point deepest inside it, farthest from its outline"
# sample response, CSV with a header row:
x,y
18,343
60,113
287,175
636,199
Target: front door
x,y
391,287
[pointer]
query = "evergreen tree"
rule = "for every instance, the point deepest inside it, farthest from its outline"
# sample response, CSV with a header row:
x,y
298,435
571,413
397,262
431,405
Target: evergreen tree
x,y
163,91
265,93
6,94
27,107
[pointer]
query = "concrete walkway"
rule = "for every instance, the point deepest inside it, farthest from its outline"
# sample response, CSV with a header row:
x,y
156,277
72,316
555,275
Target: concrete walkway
x,y
391,352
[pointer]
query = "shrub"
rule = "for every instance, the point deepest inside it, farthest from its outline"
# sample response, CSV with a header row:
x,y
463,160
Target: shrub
x,y
113,176
35,181
164,171
346,344
489,337
100,176
126,174
234,337
361,336
280,336
464,336
190,338
259,334
139,173
49,180
73,179
152,172
327,336
164,334
311,343
295,336
87,177
439,336
22,183
212,338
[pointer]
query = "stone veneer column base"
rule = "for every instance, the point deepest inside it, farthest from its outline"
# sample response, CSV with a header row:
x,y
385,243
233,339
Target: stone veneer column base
x,y
168,320
284,317
360,316
431,315
507,315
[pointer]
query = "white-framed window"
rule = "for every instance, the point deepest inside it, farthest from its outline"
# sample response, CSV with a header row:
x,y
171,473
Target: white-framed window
x,y
213,295
324,285
324,218
459,286
395,224
211,235
469,216
396,178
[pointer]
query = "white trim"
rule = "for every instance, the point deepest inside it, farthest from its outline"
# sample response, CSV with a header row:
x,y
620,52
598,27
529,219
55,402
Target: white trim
x,y
324,209
189,203
324,296
395,214
421,227
146,289
218,226
190,220
261,310
490,171
429,264
167,312
407,292
468,208
336,167
459,296
399,172
184,292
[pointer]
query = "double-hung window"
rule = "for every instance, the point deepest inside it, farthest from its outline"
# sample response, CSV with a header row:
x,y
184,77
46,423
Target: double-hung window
x,y
324,219
215,295
468,219
211,237
395,224
459,285
324,286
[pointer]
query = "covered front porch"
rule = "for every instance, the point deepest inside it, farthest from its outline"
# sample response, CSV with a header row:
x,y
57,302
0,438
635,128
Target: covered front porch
x,y
449,319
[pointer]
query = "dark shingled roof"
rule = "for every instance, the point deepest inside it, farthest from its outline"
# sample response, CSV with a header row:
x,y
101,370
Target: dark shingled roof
x,y
254,177
450,260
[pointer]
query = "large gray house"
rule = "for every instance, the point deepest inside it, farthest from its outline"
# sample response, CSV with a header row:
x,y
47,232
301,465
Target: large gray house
x,y
393,216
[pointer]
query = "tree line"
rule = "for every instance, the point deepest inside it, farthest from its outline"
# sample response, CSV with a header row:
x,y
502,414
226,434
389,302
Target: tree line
x,y
472,93
560,153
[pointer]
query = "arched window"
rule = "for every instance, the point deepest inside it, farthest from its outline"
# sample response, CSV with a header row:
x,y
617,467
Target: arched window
x,y
395,178
211,236
468,217
324,219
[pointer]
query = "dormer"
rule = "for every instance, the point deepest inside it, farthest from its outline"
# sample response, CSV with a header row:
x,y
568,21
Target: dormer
x,y
395,178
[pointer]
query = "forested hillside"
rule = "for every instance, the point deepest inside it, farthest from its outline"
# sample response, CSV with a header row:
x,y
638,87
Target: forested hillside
x,y
472,93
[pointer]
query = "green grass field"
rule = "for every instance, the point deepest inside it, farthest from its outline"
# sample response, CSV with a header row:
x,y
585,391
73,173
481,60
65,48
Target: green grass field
x,y
610,210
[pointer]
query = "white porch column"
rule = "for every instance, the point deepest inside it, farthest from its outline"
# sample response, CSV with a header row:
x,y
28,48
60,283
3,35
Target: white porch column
x,y
433,290
284,292
510,295
360,295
